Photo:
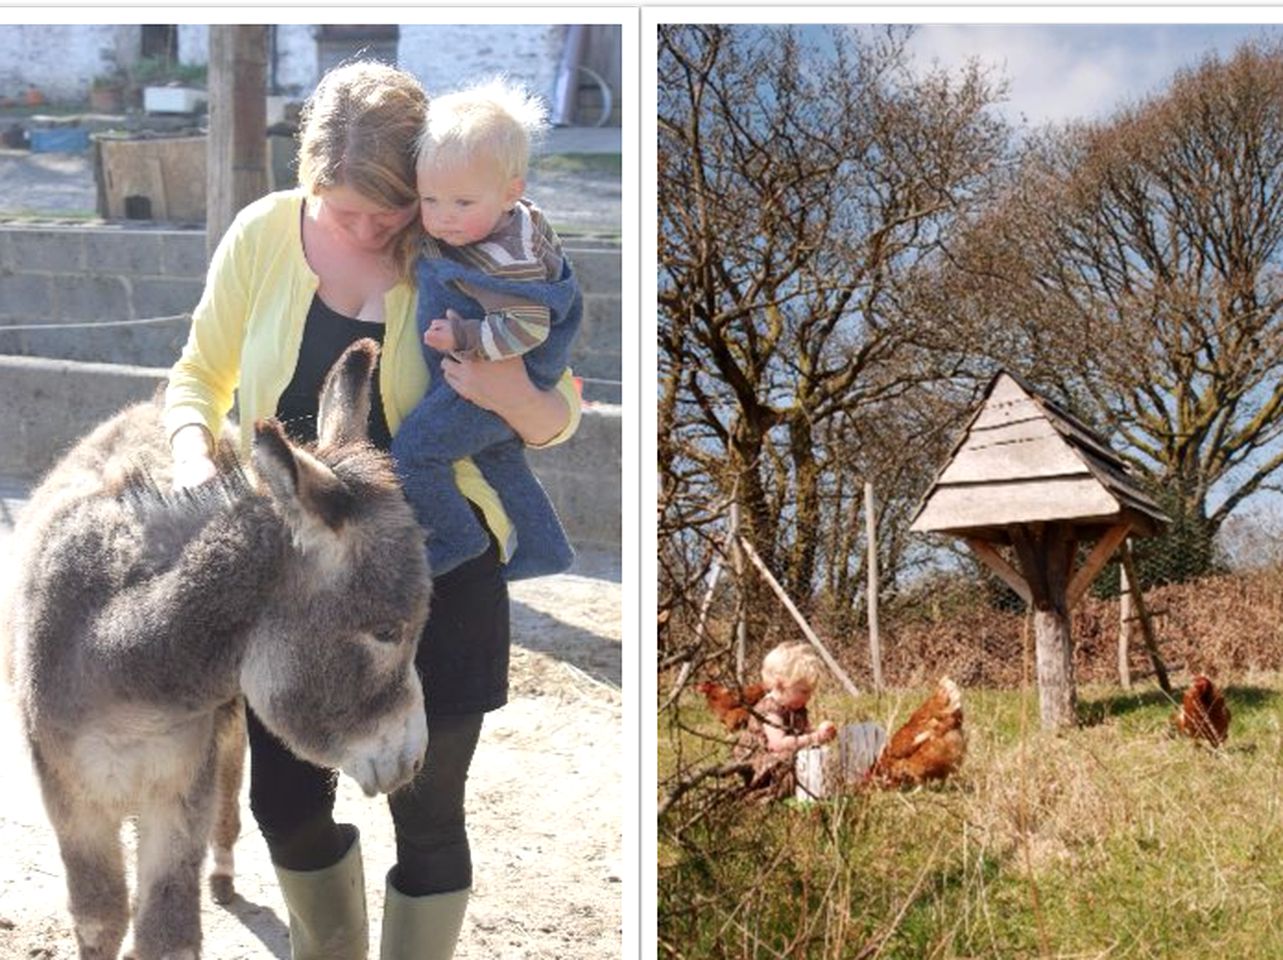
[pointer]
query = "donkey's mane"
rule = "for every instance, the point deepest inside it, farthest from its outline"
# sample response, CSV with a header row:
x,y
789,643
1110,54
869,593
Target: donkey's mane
x,y
146,495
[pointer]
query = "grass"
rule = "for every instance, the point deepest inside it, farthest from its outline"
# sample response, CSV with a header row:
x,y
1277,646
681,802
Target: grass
x,y
606,164
1111,840
84,216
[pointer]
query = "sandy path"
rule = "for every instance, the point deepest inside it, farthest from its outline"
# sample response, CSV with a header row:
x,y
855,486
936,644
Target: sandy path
x,y
544,806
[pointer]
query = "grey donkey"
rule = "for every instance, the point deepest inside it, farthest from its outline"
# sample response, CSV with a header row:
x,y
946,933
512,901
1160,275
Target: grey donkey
x,y
139,618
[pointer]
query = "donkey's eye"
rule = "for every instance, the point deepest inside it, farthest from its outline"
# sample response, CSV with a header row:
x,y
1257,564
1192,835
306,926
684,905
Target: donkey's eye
x,y
387,634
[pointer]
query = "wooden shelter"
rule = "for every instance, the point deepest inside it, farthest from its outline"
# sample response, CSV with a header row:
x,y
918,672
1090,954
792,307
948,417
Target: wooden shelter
x,y
1029,475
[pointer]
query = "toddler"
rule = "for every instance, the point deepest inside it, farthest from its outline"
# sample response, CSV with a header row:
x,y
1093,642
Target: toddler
x,y
493,284
785,752
778,726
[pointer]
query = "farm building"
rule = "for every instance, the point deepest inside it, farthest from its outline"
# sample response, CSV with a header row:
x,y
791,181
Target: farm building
x,y
63,61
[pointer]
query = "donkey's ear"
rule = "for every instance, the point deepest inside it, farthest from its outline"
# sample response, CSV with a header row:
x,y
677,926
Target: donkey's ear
x,y
344,411
307,490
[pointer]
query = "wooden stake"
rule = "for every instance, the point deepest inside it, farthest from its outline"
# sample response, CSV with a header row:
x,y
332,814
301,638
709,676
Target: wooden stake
x,y
1146,625
1125,628
741,610
871,535
801,621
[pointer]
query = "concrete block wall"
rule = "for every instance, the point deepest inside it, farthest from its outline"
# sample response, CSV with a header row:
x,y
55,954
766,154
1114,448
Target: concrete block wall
x,y
49,404
56,384
59,274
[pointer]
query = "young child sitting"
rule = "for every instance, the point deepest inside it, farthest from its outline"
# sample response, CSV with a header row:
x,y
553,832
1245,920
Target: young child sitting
x,y
493,284
778,725
786,754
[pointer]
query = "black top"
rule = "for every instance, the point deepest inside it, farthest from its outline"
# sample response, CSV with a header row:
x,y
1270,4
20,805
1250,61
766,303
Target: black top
x,y
463,654
326,334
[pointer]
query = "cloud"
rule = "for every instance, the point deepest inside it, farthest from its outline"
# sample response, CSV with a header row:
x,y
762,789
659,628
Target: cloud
x,y
1061,72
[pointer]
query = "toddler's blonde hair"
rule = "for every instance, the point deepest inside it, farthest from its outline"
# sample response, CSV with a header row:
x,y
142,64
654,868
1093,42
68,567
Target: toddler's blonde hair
x,y
497,120
792,663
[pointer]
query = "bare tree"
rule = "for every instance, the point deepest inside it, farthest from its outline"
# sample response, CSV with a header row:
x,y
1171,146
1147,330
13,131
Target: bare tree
x,y
1136,264
801,193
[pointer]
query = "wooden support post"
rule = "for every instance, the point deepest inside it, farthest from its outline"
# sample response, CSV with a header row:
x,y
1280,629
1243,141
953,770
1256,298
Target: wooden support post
x,y
236,150
996,562
801,621
1099,556
871,535
1044,559
1146,625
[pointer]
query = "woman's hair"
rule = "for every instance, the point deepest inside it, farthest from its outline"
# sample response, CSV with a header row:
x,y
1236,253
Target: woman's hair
x,y
493,122
792,663
358,130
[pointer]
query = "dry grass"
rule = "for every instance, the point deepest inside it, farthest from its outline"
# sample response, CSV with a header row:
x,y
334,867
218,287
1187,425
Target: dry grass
x,y
1112,840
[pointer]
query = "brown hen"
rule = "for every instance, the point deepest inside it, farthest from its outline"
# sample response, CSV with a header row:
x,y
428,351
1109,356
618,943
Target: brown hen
x,y
929,746
731,706
1203,714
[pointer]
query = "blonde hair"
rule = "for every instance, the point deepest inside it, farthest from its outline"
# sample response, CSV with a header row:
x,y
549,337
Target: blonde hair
x,y
496,120
358,130
792,663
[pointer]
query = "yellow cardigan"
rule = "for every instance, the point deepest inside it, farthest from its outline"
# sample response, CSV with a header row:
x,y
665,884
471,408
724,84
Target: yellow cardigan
x,y
248,326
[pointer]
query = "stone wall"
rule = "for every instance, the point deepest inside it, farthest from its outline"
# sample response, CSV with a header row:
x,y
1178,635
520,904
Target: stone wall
x,y
61,274
55,384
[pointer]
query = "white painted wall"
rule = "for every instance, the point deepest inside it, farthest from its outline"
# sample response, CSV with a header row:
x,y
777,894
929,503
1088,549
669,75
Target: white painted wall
x,y
61,59
446,57
443,56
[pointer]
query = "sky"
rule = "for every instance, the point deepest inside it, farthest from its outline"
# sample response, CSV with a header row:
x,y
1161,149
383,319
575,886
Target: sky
x,y
1061,72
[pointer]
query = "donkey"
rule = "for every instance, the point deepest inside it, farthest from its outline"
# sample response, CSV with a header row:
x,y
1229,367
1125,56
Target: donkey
x,y
139,618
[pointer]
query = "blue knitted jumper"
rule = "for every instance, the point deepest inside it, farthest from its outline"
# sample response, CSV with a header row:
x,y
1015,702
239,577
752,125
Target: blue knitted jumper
x,y
445,427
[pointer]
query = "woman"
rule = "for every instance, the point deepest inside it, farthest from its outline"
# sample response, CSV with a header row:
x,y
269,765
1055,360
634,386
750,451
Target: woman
x,y
300,275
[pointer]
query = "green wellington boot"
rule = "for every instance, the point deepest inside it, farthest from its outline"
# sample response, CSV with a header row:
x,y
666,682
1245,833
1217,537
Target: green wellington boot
x,y
421,928
328,920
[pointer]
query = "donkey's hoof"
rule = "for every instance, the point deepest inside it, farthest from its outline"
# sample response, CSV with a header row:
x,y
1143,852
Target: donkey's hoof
x,y
221,888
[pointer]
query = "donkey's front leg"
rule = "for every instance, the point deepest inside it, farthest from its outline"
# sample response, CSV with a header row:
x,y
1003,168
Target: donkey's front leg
x,y
172,833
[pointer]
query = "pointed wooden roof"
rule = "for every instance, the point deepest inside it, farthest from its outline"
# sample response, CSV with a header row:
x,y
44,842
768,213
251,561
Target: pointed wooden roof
x,y
1023,459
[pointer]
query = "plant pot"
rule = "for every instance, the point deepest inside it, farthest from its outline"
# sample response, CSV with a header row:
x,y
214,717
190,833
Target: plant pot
x,y
106,100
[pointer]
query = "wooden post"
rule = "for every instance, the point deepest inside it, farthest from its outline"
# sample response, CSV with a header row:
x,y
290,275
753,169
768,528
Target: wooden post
x,y
1045,557
1146,625
871,534
1126,624
801,620
236,151
741,610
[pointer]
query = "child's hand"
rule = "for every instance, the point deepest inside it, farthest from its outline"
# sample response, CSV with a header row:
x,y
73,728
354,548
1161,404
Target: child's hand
x,y
826,731
440,335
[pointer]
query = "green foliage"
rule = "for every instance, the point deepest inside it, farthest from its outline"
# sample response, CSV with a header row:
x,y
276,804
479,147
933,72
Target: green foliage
x,y
158,71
